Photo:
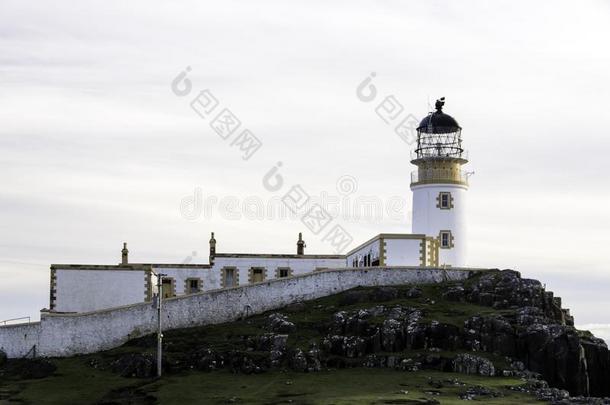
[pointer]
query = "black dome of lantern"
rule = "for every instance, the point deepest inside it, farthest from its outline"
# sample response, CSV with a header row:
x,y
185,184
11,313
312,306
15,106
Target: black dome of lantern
x,y
438,122
439,136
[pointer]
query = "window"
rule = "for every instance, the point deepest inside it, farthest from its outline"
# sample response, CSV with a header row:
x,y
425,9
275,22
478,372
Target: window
x,y
445,201
257,275
230,277
167,287
445,240
193,285
283,273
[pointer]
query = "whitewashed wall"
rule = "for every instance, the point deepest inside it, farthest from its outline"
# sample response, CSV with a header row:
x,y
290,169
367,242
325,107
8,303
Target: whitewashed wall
x,y
430,220
71,334
91,290
402,252
18,340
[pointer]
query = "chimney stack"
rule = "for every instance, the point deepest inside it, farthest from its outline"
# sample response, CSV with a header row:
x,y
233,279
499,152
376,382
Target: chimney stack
x,y
301,245
212,248
124,254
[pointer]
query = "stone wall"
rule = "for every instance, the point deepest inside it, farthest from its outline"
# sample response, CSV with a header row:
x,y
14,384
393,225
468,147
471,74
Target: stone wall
x,y
60,335
18,340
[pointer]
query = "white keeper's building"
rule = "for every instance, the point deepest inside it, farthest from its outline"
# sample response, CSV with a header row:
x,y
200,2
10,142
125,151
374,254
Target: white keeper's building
x,y
438,239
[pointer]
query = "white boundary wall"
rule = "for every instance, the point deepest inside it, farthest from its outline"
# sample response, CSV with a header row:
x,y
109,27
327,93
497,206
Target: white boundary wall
x,y
59,335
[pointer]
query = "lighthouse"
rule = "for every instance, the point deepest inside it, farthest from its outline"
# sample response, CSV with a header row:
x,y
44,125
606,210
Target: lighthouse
x,y
439,186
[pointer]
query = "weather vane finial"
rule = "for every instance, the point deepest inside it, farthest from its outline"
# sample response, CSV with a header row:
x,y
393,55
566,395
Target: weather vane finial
x,y
439,104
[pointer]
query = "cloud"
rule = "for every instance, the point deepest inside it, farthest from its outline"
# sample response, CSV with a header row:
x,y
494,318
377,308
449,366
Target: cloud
x,y
96,150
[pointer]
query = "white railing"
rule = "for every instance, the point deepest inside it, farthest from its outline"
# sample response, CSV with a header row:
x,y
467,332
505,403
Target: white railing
x,y
16,319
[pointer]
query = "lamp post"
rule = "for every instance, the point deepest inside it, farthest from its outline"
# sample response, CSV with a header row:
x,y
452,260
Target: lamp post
x,y
159,331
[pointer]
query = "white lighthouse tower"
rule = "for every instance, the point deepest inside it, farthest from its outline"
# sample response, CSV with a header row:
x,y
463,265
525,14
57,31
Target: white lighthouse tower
x,y
439,186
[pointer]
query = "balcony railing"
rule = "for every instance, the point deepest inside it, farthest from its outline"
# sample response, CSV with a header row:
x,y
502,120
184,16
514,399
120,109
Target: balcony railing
x,y
431,153
439,176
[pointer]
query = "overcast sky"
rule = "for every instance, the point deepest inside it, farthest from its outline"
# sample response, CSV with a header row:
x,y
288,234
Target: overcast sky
x,y
96,149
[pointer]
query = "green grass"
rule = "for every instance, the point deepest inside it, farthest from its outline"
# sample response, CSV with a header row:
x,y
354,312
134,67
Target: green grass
x,y
77,383
74,382
348,386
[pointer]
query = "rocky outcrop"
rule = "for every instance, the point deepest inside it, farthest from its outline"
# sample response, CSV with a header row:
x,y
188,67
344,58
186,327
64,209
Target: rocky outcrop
x,y
522,332
533,329
469,364
541,335
279,323
598,365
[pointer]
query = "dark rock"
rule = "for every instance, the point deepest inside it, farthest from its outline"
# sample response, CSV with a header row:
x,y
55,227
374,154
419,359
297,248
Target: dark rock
x,y
410,365
205,359
392,333
245,363
456,293
527,316
486,299
346,346
413,292
492,334
279,323
314,359
298,361
469,364
374,361
552,394
476,392
447,336
555,352
135,365
598,365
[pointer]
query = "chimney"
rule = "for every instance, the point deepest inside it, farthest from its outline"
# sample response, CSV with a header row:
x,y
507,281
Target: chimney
x,y
301,245
124,254
212,248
